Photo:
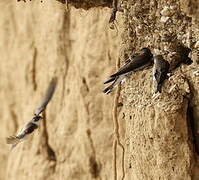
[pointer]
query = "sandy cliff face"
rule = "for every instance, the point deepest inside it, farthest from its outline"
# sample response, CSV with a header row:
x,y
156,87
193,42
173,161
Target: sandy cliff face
x,y
160,144
40,40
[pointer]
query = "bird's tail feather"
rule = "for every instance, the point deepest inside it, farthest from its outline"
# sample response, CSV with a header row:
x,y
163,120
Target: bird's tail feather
x,y
13,146
108,89
109,80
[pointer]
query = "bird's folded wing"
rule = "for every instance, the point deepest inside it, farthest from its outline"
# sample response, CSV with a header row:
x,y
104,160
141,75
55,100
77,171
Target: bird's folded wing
x,y
127,61
137,62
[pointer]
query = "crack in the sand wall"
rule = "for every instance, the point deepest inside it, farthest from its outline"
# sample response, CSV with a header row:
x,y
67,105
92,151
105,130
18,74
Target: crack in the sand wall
x,y
34,72
94,166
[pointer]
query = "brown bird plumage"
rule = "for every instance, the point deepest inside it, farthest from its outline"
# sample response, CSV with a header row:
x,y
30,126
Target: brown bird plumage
x,y
160,70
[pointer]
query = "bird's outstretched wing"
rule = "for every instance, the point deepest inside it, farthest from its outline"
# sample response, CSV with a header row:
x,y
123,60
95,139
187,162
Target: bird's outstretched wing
x,y
12,140
47,97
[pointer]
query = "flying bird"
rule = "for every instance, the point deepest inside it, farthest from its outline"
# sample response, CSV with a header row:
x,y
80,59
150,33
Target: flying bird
x,y
160,70
34,122
133,63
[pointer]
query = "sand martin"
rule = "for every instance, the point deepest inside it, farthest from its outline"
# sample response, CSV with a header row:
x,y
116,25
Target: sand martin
x,y
34,123
135,62
160,70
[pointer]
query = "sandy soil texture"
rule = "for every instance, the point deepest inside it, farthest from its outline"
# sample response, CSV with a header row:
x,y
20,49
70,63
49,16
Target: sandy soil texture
x,y
39,40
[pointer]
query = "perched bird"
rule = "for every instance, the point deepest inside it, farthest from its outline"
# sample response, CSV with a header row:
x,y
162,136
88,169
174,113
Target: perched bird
x,y
182,58
133,63
160,70
34,123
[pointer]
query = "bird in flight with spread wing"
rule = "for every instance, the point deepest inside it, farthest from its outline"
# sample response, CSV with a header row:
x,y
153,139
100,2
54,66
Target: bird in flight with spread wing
x,y
33,124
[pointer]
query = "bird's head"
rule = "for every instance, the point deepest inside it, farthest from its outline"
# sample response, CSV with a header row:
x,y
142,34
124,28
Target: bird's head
x,y
37,118
147,51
